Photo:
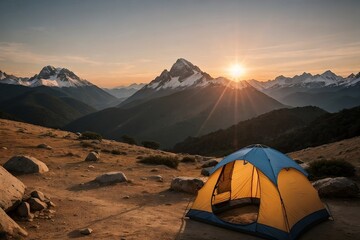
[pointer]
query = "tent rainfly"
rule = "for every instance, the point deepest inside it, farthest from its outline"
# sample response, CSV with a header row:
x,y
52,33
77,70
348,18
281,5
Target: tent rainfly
x,y
287,203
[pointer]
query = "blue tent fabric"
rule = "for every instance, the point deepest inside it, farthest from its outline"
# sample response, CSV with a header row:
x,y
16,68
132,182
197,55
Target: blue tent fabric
x,y
267,160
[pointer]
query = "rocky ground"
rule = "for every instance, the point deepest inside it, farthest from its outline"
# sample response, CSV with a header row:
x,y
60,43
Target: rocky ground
x,y
142,207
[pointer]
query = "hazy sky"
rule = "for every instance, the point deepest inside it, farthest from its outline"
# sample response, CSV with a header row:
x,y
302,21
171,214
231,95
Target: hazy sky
x,y
113,43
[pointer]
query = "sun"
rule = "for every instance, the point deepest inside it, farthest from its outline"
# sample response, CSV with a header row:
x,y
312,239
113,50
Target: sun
x,y
236,71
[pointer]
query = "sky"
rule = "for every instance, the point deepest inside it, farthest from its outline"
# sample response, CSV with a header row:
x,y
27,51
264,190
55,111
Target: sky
x,y
118,42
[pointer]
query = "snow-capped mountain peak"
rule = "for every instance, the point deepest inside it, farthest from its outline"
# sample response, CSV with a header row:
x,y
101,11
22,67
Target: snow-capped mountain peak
x,y
57,77
184,74
48,76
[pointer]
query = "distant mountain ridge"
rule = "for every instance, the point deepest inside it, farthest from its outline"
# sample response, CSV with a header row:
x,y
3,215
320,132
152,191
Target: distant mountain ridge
x,y
48,76
124,92
307,80
58,81
327,90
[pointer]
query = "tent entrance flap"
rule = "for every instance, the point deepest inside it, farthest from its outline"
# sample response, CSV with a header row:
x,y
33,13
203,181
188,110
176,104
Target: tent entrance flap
x,y
235,195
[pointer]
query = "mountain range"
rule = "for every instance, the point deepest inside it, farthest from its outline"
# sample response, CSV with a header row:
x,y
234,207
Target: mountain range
x,y
327,90
62,81
182,102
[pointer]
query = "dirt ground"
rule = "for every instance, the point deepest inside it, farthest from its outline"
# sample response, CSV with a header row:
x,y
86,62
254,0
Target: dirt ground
x,y
142,209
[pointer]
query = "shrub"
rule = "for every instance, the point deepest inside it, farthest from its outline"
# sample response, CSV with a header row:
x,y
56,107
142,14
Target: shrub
x,y
117,152
188,159
151,144
129,140
169,161
330,168
91,135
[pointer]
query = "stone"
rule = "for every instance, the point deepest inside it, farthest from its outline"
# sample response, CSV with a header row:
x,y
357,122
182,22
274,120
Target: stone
x,y
111,178
9,228
210,163
4,148
186,184
11,191
86,231
44,146
336,187
206,171
157,178
39,195
23,164
93,157
78,134
36,204
154,170
24,210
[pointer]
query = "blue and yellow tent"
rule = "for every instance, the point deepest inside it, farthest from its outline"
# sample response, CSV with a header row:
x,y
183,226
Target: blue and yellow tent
x,y
287,202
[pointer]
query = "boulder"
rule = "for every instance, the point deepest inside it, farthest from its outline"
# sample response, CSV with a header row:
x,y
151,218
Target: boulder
x,y
111,178
186,184
336,187
210,163
86,231
44,146
24,210
23,164
9,228
11,191
206,171
93,157
36,204
305,166
157,178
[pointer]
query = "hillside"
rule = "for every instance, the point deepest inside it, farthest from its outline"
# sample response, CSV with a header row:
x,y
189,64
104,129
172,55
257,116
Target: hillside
x,y
44,109
348,150
114,212
262,129
327,128
172,118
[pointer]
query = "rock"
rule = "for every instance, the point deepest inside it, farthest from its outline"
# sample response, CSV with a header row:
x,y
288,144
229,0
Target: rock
x,y
93,157
36,204
186,184
86,231
111,177
23,164
210,163
78,134
336,187
11,191
44,146
154,170
9,227
39,195
157,178
4,148
24,210
206,171
91,167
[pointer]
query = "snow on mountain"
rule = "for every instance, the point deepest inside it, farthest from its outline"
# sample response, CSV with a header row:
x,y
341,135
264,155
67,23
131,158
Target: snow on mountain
x,y
48,76
308,81
11,79
184,74
57,77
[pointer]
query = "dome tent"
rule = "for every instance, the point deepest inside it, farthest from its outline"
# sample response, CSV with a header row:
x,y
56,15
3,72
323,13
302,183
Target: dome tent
x,y
258,175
